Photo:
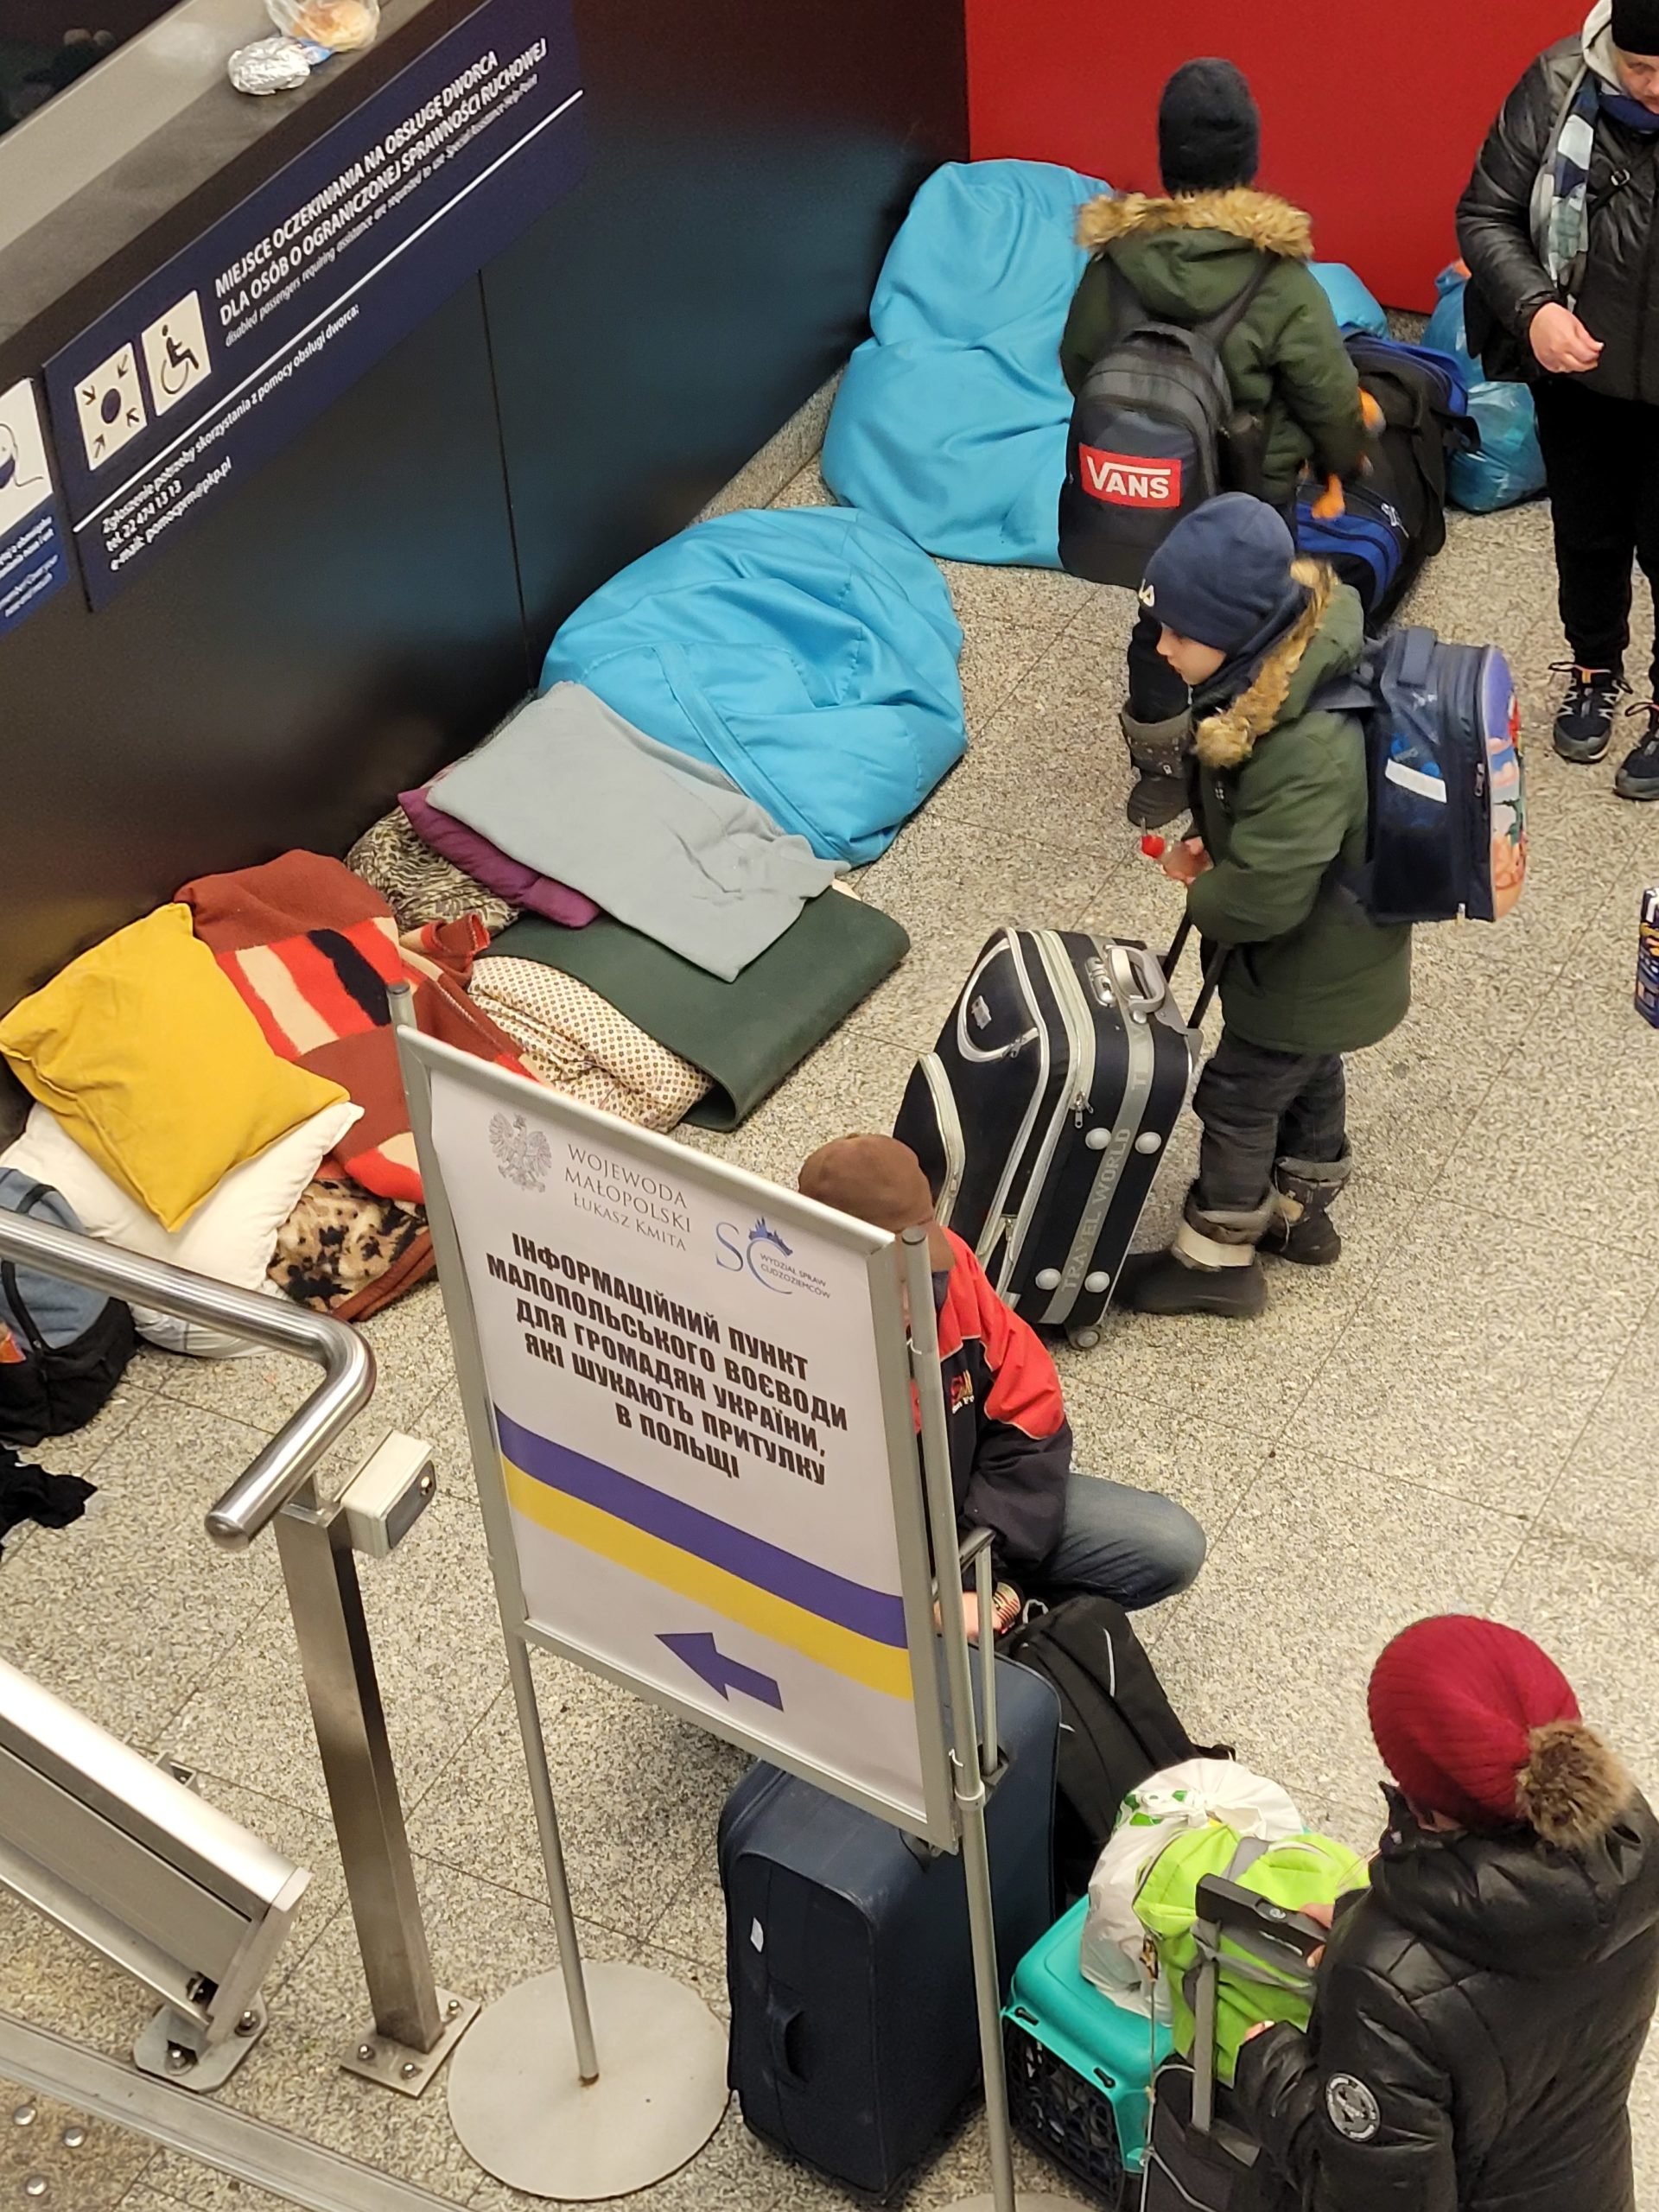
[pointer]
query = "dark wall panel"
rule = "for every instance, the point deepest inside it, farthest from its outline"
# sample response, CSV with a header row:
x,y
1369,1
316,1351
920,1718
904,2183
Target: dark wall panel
x,y
752,163
334,627
373,600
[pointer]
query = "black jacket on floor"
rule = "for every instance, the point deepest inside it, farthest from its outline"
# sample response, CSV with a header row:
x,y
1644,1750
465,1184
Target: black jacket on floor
x,y
1618,300
1478,2020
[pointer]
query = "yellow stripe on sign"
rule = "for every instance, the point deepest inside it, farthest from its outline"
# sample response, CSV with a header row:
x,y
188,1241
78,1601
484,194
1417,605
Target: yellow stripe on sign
x,y
877,1666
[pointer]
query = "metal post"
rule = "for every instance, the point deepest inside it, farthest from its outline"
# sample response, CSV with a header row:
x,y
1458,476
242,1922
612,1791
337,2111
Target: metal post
x,y
965,1757
558,1881
326,1602
481,1438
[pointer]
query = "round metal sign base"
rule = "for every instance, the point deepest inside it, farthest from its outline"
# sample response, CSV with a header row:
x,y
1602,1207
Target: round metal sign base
x,y
521,2110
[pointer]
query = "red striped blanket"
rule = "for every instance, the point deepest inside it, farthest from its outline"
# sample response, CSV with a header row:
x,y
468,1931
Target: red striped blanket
x,y
312,948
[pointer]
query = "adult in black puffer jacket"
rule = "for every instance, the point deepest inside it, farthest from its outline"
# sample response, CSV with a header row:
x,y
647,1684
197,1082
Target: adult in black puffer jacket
x,y
1564,291
1480,2010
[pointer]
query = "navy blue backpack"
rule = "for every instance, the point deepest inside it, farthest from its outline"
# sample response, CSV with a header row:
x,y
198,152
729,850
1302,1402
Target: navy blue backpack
x,y
1396,516
1447,833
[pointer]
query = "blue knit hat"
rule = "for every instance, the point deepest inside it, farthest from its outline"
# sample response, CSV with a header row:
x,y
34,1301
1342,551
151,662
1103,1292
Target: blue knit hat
x,y
1222,577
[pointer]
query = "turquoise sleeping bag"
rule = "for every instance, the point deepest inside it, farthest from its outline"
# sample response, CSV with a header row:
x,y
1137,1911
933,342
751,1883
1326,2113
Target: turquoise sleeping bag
x,y
808,652
950,420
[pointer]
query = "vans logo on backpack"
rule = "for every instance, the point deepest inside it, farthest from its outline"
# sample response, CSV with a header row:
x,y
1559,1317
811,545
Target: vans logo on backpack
x,y
1121,480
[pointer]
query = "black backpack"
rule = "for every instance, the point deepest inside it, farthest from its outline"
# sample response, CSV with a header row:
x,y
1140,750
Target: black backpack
x,y
1116,1724
1154,435
1394,517
62,1349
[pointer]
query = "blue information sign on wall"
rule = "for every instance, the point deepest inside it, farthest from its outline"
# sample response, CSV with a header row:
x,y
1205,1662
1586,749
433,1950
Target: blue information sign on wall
x,y
213,363
33,559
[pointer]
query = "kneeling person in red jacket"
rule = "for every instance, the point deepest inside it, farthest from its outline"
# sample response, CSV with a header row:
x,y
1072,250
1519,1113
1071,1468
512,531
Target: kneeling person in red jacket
x,y
1055,1533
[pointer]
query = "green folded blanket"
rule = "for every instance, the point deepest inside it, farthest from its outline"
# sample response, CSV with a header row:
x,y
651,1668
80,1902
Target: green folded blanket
x,y
748,1035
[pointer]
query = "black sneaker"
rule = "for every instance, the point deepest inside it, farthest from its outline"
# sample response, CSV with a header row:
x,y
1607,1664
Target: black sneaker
x,y
1638,776
1583,728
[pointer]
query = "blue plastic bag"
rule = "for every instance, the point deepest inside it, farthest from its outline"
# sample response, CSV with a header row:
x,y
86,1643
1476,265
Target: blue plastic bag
x,y
1510,467
1353,305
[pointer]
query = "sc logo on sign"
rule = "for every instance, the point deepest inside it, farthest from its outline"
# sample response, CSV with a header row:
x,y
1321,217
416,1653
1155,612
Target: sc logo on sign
x,y
759,1253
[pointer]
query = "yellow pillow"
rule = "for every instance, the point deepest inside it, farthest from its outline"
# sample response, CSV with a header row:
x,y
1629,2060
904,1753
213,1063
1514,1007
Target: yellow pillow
x,y
145,1052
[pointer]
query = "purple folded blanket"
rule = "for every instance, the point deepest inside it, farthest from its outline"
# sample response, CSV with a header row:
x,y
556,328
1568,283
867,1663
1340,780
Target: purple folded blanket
x,y
488,864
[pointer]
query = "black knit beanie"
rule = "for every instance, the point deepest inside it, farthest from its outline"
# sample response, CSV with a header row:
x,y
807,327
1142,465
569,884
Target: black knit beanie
x,y
1636,25
1210,131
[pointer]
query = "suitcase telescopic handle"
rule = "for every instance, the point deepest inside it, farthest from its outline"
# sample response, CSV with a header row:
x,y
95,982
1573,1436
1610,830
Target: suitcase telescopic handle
x,y
1211,974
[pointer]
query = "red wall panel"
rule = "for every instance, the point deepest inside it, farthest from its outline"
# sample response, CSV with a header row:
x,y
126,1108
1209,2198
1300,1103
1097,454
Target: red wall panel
x,y
1371,118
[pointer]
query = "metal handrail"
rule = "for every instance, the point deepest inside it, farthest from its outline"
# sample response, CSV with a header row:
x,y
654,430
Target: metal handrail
x,y
280,1470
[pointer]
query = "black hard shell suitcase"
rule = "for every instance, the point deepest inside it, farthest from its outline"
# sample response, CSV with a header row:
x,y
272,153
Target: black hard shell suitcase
x,y
1042,1113
1197,2158
855,2038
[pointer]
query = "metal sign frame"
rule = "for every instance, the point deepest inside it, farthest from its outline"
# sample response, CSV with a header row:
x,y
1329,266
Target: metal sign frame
x,y
420,1055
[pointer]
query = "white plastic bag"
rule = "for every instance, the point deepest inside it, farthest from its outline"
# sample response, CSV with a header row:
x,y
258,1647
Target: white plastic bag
x,y
1166,1805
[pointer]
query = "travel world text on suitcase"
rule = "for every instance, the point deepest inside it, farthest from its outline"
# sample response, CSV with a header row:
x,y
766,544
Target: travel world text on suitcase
x,y
1041,1115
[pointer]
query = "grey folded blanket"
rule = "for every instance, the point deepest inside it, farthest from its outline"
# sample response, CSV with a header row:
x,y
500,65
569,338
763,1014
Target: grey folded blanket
x,y
663,842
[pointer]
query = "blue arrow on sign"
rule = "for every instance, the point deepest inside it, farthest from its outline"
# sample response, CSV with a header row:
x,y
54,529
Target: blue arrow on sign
x,y
702,1656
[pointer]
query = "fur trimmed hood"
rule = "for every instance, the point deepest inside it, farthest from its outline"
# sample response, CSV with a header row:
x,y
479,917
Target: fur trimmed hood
x,y
1226,740
1256,218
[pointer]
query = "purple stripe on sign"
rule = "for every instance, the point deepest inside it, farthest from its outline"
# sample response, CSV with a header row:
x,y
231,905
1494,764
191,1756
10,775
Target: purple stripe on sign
x,y
814,1589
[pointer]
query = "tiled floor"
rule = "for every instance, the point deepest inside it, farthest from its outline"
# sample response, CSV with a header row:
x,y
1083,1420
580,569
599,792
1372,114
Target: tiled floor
x,y
1460,1415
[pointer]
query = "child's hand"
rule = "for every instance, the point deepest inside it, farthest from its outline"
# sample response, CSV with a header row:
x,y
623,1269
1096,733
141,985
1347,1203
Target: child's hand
x,y
1186,863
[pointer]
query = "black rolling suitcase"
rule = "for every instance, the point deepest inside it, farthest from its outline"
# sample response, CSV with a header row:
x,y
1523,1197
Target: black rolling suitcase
x,y
1042,1112
855,2038
1197,2160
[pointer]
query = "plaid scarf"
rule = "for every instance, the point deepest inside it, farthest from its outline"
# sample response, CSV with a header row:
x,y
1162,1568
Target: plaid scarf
x,y
1561,194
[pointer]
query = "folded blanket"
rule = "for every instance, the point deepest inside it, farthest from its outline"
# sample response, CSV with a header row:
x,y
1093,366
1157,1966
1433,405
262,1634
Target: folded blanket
x,y
418,883
496,870
744,1036
345,1252
312,950
577,1042
667,843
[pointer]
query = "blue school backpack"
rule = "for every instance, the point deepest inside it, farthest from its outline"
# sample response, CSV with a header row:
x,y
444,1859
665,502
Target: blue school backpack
x,y
1448,829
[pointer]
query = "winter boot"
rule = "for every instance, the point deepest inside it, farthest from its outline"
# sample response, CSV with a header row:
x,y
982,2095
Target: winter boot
x,y
1583,728
1301,1229
1211,1267
1638,776
1159,751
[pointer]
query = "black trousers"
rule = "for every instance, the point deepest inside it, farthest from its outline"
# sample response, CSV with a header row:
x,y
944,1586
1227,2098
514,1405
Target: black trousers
x,y
1601,456
1256,1107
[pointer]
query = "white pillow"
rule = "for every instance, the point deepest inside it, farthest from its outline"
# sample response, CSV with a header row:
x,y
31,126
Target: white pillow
x,y
231,1236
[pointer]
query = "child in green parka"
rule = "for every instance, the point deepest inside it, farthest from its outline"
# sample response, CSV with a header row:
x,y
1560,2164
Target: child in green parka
x,y
1281,818
1187,256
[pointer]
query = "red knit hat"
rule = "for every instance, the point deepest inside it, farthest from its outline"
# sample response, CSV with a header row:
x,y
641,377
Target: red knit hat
x,y
1457,1705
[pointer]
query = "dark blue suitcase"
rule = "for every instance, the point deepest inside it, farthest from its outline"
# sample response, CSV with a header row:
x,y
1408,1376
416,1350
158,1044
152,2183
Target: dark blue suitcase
x,y
855,2038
